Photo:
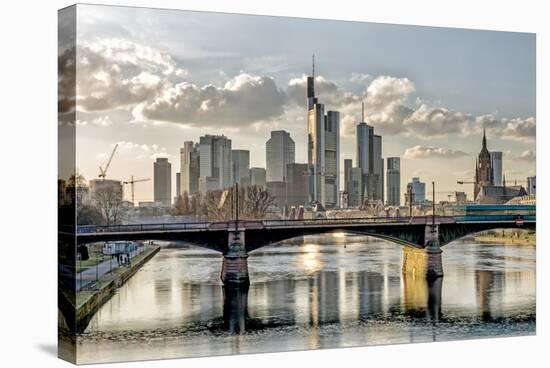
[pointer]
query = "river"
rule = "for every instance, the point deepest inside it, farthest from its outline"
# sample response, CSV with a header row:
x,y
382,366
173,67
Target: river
x,y
329,291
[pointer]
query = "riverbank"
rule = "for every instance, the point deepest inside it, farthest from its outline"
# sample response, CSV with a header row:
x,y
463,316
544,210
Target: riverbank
x,y
530,239
90,300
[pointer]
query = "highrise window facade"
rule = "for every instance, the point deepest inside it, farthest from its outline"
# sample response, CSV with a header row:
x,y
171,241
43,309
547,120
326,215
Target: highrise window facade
x,y
216,160
393,181
241,166
189,168
280,152
323,149
162,170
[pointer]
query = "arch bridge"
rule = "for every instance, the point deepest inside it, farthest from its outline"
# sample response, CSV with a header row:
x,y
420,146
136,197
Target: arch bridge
x,y
421,237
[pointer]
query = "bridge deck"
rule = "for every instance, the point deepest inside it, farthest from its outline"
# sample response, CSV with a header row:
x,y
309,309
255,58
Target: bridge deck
x,y
346,223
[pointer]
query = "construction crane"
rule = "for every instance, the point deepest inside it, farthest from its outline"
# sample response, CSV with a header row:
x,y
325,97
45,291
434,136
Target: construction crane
x,y
103,171
132,182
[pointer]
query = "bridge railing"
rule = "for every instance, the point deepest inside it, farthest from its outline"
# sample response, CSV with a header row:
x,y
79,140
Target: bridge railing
x,y
227,225
335,221
255,224
91,229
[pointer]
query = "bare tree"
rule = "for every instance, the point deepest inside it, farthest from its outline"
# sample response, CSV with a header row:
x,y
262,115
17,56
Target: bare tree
x,y
194,204
76,189
181,206
257,202
109,203
213,208
253,203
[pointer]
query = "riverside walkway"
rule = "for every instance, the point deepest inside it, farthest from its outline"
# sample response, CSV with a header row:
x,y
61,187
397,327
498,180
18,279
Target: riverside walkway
x,y
93,273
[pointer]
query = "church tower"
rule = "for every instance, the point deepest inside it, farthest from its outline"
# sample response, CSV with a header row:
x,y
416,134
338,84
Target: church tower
x,y
484,169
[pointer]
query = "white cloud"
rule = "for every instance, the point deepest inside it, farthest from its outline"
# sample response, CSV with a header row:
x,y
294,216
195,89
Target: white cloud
x,y
133,148
435,121
243,100
360,78
528,155
268,64
519,129
385,103
117,73
102,121
326,91
426,152
124,52
113,73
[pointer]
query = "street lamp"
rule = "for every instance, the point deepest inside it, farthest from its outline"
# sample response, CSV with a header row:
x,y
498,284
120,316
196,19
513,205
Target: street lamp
x,y
433,206
79,258
96,267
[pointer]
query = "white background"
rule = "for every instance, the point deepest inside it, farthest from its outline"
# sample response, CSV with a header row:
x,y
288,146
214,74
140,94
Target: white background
x,y
28,121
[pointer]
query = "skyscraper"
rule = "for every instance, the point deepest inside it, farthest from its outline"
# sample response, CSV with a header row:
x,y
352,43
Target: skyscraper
x,y
355,187
496,161
189,168
393,181
241,166
418,190
297,188
369,159
215,159
279,152
323,144
378,168
332,159
178,184
348,164
362,157
162,181
257,176
278,190
316,142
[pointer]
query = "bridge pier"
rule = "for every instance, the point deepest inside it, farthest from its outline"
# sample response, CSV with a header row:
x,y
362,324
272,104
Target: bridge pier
x,y
235,304
235,261
424,262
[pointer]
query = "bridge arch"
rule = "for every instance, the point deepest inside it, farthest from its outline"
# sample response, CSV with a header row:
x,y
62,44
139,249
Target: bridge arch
x,y
212,240
448,233
409,236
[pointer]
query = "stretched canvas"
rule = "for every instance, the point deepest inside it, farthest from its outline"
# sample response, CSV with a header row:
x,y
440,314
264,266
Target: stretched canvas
x,y
233,184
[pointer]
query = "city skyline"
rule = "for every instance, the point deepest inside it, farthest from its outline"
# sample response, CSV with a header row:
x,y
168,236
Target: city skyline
x,y
250,184
431,121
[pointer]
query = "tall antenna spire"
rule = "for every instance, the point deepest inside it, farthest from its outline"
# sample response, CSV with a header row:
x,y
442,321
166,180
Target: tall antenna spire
x,y
362,111
313,66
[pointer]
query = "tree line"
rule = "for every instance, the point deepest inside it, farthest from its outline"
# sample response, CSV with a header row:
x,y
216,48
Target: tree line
x,y
252,202
106,206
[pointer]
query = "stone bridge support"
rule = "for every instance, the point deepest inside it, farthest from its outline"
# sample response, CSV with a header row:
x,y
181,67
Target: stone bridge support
x,y
235,306
235,261
424,262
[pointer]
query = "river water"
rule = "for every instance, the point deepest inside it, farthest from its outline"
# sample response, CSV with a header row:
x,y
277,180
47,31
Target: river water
x,y
329,291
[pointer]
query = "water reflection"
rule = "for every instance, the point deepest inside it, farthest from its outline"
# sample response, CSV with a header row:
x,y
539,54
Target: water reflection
x,y
317,292
235,308
334,297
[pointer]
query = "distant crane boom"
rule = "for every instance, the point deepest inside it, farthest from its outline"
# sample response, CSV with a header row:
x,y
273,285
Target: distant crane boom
x,y
103,171
132,182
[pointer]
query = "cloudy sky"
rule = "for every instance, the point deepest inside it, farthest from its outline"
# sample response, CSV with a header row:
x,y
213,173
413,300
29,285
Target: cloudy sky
x,y
151,79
